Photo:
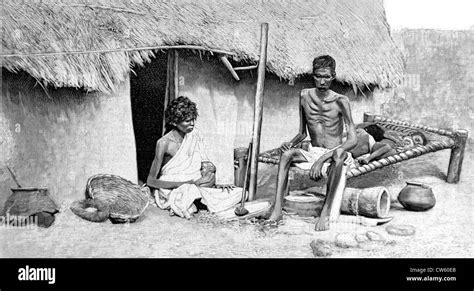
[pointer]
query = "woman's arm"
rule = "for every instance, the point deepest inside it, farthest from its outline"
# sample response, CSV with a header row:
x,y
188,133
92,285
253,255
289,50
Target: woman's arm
x,y
155,169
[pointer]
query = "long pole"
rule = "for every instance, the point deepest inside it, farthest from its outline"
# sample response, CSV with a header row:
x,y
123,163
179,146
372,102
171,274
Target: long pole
x,y
258,113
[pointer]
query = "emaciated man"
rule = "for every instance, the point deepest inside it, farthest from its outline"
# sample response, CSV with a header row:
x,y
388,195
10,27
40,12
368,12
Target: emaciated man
x,y
324,114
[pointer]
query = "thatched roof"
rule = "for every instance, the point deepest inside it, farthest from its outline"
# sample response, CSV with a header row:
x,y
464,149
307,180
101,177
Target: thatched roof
x,y
354,32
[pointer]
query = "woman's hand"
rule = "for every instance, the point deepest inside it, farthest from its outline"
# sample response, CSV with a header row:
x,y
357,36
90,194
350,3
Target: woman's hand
x,y
286,146
208,180
228,187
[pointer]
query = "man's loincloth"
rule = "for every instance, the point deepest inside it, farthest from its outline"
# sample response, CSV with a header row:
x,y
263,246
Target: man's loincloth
x,y
314,153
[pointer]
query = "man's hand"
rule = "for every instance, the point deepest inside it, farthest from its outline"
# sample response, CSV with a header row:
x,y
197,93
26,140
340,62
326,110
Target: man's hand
x,y
363,161
286,146
315,172
228,187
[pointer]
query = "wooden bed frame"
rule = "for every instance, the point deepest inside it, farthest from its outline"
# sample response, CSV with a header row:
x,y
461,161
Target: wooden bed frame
x,y
448,139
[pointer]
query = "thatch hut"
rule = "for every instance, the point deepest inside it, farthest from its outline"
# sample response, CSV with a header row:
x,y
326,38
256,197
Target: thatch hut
x,y
84,84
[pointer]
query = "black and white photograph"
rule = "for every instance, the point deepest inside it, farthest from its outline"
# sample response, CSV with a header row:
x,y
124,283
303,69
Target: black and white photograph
x,y
237,129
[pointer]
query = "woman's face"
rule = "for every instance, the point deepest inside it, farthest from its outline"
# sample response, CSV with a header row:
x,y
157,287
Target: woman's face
x,y
186,126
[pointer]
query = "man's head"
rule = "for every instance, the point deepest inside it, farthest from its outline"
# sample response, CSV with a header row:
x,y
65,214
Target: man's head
x,y
181,114
324,72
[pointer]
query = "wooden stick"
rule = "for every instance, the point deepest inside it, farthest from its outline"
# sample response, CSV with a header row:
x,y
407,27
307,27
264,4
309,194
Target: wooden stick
x,y
175,75
457,156
160,47
240,160
117,9
246,68
258,113
247,174
14,177
169,77
229,67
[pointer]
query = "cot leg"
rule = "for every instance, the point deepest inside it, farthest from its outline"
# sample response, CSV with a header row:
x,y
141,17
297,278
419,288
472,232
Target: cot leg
x,y
457,156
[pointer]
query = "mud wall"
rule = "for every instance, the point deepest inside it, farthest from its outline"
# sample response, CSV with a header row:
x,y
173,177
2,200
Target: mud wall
x,y
60,138
439,81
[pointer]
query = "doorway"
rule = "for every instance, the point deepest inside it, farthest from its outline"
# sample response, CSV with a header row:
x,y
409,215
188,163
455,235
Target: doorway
x,y
148,93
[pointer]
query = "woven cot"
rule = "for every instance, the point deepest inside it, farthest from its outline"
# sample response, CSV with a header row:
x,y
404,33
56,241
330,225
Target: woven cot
x,y
437,139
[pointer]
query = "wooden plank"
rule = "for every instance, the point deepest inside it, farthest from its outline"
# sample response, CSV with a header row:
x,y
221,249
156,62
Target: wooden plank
x,y
457,156
258,113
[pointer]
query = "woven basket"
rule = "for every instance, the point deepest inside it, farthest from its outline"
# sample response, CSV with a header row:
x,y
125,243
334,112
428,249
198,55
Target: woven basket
x,y
90,210
126,201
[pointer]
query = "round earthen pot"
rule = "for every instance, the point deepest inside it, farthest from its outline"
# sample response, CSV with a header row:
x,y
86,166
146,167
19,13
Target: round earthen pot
x,y
417,197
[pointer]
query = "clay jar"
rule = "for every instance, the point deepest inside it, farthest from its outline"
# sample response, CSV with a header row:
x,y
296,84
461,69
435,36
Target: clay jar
x,y
417,197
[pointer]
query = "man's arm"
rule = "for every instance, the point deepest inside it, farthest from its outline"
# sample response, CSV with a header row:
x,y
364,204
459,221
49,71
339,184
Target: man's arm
x,y
156,167
351,140
302,131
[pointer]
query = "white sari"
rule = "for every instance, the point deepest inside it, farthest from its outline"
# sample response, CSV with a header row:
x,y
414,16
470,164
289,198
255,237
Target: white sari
x,y
185,166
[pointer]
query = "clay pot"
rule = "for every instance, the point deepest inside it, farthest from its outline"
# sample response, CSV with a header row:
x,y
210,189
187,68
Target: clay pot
x,y
26,202
417,197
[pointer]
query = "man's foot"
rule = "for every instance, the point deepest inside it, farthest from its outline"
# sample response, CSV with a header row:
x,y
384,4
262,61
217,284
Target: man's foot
x,y
322,223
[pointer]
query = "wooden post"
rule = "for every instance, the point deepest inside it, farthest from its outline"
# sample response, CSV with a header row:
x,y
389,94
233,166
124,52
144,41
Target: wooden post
x,y
457,156
172,80
369,117
175,92
258,111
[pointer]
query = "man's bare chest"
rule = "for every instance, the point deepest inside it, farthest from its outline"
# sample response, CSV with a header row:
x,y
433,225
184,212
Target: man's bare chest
x,y
319,109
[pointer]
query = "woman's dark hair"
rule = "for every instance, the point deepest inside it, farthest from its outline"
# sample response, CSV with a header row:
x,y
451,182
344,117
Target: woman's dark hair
x,y
179,110
375,131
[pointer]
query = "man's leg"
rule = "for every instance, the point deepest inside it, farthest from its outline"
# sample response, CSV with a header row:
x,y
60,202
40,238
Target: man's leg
x,y
335,187
288,157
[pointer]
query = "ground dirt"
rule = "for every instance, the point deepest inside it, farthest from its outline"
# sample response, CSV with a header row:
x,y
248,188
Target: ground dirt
x,y
443,232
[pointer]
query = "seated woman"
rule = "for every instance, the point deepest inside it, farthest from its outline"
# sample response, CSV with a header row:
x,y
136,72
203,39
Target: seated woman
x,y
181,173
